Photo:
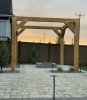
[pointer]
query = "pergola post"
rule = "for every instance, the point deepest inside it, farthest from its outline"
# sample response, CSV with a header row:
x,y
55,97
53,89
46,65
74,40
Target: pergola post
x,y
76,44
62,51
61,37
13,45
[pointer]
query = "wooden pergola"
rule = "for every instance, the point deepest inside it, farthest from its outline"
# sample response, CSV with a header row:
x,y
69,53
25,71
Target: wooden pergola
x,y
18,28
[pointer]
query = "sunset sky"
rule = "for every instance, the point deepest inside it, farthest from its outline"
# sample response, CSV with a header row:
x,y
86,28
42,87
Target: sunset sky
x,y
51,8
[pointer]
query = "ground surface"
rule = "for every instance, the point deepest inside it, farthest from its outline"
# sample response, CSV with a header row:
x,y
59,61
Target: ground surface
x,y
31,83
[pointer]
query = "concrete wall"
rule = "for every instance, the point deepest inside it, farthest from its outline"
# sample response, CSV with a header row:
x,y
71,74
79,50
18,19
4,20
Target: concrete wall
x,y
50,52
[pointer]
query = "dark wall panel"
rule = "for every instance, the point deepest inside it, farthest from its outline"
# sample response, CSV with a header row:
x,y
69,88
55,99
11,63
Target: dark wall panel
x,y
50,52
83,55
69,55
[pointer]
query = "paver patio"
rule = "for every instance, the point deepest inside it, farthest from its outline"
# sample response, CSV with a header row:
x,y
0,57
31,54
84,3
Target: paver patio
x,y
31,83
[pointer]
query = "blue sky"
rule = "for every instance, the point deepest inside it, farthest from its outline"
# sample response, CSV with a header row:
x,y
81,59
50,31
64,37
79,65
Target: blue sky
x,y
52,8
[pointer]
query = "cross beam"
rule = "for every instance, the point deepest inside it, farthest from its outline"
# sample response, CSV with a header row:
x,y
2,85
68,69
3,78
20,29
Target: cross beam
x,y
44,19
42,27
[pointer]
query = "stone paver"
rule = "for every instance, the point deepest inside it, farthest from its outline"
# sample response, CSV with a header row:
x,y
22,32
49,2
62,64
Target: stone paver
x,y
31,83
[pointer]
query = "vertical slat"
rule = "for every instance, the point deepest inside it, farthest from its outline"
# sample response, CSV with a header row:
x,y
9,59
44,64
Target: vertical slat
x,y
16,47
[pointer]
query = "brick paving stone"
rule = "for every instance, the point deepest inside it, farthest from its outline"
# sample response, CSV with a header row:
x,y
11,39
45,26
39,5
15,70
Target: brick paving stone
x,y
32,82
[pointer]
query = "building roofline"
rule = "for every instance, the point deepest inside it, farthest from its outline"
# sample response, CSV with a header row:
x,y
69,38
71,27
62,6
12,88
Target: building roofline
x,y
3,15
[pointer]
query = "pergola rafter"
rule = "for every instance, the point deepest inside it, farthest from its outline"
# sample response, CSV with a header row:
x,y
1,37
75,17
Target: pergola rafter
x,y
72,24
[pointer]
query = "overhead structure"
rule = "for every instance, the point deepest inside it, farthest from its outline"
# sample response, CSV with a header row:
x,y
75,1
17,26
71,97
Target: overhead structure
x,y
19,25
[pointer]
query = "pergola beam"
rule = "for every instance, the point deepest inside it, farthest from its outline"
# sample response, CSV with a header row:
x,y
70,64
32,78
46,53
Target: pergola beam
x,y
44,19
41,27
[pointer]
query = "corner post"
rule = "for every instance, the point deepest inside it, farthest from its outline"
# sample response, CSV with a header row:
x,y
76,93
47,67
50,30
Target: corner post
x,y
13,45
76,44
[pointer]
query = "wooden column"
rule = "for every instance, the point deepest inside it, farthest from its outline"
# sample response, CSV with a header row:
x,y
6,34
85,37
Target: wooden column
x,y
13,45
62,51
61,37
76,44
